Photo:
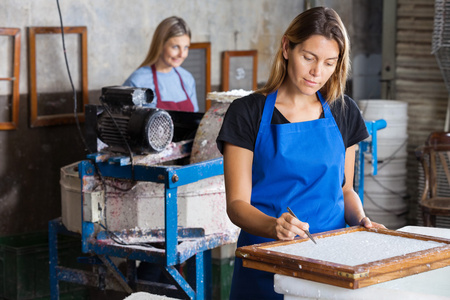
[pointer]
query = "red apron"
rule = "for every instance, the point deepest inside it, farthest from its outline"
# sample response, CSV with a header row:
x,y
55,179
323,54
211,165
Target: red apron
x,y
185,105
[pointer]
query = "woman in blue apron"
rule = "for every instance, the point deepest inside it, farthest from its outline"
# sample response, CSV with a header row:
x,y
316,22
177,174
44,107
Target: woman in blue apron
x,y
292,144
161,70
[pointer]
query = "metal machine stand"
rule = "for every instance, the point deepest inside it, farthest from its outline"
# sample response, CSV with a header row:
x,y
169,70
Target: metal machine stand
x,y
189,245
369,146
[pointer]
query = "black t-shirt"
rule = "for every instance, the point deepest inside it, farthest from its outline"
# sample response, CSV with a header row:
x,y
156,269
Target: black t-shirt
x,y
241,123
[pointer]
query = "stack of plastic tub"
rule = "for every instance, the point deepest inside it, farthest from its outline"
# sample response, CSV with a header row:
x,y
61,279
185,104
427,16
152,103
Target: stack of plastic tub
x,y
384,193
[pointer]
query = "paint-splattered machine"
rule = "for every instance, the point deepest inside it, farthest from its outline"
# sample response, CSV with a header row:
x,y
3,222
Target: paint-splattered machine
x,y
140,201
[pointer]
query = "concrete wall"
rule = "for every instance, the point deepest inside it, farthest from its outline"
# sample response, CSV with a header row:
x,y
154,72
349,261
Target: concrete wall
x,y
119,34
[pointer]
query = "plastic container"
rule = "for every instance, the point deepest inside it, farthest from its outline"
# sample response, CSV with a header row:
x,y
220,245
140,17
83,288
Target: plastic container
x,y
24,266
385,185
390,167
392,140
385,202
392,148
394,130
389,219
140,205
222,275
71,197
389,110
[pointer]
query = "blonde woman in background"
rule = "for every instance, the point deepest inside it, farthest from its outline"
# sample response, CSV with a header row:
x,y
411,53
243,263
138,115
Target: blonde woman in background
x,y
161,71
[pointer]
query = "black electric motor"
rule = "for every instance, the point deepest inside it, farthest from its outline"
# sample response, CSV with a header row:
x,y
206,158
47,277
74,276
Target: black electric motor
x,y
126,122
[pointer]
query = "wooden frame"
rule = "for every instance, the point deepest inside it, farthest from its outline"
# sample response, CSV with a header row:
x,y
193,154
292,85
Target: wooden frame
x,y
64,118
230,70
351,277
194,69
15,33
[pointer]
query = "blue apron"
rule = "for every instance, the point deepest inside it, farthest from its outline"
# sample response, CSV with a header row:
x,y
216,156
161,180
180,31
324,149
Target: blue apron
x,y
300,165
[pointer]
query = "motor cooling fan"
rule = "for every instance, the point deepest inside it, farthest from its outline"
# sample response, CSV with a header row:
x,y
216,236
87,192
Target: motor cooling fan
x,y
126,121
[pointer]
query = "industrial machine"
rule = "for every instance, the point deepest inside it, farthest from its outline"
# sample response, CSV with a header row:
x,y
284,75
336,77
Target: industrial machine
x,y
141,145
126,120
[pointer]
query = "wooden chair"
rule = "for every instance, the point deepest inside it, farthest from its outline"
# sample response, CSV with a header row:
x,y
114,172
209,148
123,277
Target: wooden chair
x,y
435,159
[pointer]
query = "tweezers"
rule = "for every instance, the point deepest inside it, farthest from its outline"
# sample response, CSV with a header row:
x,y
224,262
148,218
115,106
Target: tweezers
x,y
307,231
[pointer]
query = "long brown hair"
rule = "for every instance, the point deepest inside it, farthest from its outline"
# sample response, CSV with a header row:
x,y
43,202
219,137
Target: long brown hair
x,y
315,21
168,28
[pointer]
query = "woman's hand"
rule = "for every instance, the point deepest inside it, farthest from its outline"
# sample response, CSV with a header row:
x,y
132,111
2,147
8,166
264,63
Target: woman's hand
x,y
288,227
369,224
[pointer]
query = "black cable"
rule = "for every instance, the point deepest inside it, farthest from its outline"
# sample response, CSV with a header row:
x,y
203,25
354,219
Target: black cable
x,y
389,159
75,96
113,236
387,210
77,121
75,103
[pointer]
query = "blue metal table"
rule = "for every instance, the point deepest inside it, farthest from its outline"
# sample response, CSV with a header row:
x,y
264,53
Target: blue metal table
x,y
181,245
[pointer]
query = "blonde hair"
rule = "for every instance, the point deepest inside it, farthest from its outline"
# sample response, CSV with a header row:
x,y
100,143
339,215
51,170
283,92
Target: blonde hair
x,y
168,28
315,21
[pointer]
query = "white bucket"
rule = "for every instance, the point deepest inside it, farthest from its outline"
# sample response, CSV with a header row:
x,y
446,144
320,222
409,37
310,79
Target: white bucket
x,y
389,110
391,148
391,140
393,130
385,203
390,220
385,185
383,193
70,197
392,167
